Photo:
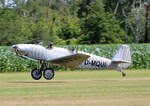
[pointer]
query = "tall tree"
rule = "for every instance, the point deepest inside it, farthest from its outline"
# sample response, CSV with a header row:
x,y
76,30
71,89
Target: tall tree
x,y
98,27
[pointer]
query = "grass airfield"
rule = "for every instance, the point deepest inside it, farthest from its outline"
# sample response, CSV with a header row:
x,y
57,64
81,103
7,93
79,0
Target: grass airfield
x,y
76,88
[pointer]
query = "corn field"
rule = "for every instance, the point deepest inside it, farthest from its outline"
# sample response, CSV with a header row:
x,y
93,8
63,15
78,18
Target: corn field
x,y
9,62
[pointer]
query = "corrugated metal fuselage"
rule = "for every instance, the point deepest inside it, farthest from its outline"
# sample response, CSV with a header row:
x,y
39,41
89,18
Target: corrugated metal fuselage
x,y
38,52
96,62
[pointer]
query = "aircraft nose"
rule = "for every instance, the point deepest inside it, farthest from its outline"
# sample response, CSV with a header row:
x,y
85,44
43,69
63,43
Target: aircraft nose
x,y
19,49
14,47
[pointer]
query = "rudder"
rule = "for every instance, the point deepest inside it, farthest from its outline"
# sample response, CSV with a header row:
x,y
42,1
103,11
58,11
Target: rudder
x,y
122,56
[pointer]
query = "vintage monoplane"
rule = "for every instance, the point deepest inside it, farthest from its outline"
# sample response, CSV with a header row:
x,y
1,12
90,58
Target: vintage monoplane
x,y
71,59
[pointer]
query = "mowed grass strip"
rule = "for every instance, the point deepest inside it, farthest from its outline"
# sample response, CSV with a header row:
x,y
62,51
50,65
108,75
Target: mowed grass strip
x,y
77,88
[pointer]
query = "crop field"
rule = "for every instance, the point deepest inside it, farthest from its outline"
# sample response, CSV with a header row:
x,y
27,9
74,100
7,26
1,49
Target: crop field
x,y
9,62
76,88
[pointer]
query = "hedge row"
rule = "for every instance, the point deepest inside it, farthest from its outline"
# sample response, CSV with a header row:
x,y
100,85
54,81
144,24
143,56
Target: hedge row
x,y
9,62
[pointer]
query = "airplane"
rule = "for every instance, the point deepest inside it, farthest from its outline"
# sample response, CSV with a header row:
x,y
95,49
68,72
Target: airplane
x,y
70,59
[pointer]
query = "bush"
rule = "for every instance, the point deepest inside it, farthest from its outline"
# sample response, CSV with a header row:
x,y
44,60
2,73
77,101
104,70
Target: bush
x,y
9,62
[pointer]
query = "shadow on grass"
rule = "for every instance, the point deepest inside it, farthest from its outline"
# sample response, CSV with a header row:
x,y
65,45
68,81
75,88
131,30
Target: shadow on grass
x,y
40,82
81,81
58,82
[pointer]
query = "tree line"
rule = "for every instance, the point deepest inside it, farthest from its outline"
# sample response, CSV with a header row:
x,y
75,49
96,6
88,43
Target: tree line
x,y
65,22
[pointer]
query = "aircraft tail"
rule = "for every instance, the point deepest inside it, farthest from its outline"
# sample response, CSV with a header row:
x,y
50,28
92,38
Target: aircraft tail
x,y
122,57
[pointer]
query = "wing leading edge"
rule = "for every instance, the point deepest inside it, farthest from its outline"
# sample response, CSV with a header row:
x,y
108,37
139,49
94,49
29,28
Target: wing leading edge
x,y
71,61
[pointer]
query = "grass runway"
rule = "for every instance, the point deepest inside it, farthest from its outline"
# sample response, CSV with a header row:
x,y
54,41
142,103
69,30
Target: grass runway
x,y
77,88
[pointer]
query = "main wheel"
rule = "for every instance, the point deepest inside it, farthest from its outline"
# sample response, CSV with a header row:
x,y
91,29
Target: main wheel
x,y
48,73
36,74
123,74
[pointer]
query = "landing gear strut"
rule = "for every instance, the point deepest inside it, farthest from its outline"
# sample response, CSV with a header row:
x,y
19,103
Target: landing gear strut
x,y
37,73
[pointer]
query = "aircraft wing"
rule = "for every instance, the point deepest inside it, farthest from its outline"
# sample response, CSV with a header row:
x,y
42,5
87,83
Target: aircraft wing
x,y
71,61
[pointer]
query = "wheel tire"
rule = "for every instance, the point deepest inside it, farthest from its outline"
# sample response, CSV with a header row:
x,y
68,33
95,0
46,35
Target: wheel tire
x,y
36,74
123,74
48,73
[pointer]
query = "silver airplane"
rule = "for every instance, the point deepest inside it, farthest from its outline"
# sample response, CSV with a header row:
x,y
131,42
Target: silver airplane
x,y
70,59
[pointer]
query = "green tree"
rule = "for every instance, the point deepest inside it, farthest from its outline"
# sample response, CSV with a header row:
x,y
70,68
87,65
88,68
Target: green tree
x,y
12,28
99,27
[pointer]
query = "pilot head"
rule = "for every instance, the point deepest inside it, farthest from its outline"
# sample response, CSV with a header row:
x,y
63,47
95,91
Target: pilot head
x,y
50,45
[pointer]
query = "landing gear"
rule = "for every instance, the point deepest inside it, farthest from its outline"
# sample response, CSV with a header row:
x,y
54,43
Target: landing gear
x,y
48,73
37,73
123,74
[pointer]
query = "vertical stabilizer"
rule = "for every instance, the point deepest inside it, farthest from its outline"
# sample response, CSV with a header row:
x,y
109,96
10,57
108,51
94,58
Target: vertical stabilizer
x,y
122,56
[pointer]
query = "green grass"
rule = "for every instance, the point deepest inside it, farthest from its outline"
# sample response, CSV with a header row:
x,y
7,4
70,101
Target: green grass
x,y
77,88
